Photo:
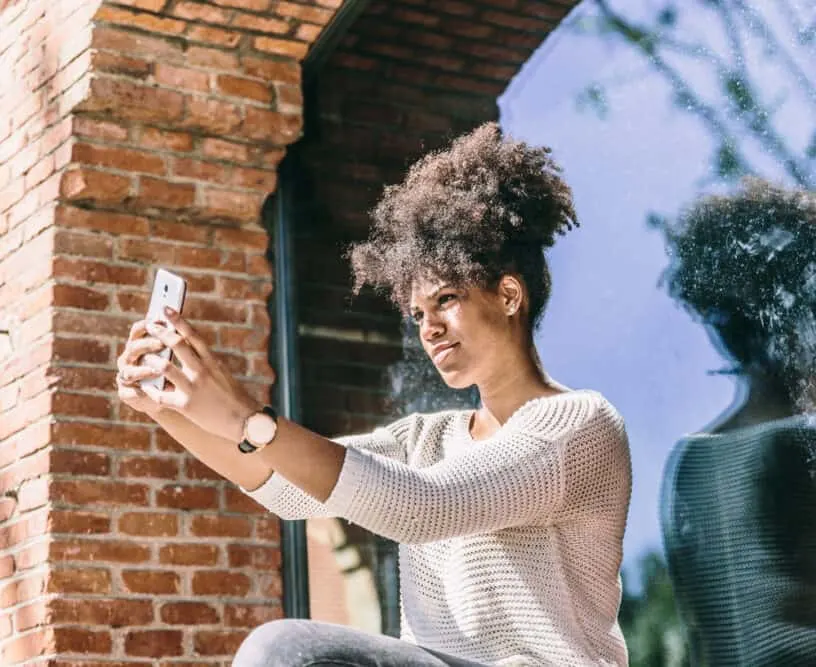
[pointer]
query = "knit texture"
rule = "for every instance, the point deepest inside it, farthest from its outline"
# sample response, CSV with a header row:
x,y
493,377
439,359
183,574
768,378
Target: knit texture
x,y
511,546
737,516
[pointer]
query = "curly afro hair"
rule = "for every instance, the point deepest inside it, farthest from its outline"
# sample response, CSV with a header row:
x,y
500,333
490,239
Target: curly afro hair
x,y
485,207
745,264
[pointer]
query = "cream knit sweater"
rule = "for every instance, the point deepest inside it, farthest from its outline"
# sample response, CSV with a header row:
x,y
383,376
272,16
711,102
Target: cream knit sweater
x,y
510,547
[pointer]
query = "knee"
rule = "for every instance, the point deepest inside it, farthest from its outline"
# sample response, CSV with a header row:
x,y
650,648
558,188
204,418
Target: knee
x,y
281,643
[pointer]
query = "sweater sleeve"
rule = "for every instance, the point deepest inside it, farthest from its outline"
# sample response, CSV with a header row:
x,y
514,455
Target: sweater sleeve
x,y
517,478
505,482
290,502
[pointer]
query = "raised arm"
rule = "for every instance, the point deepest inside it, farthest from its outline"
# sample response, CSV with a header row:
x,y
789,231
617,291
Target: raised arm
x,y
291,502
517,478
205,409
483,490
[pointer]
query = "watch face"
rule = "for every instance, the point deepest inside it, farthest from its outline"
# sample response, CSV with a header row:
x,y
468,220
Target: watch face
x,y
260,429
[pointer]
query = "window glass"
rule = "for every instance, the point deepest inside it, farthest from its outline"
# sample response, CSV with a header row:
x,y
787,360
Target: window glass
x,y
692,318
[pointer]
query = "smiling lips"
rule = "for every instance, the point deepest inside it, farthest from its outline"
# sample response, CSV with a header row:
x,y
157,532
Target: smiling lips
x,y
441,352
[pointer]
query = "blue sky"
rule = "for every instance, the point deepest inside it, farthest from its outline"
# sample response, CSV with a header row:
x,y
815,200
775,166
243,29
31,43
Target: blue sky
x,y
610,326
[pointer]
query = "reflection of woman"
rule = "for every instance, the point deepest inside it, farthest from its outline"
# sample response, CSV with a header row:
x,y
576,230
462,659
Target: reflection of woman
x,y
739,502
510,517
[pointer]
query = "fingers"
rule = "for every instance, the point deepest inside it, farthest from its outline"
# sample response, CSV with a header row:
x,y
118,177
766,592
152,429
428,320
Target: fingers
x,y
208,360
131,374
179,395
171,372
139,361
129,368
168,399
137,330
130,394
176,342
190,335
136,346
136,349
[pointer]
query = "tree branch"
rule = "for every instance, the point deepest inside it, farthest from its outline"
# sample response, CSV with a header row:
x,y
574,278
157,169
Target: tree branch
x,y
754,117
756,23
790,17
757,117
682,90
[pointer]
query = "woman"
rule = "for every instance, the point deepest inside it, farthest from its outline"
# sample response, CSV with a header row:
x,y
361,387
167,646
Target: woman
x,y
739,499
510,518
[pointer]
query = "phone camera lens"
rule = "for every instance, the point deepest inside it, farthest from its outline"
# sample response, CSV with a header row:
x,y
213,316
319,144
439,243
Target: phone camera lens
x,y
165,289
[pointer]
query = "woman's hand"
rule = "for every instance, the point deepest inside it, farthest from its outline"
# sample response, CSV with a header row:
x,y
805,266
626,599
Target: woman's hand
x,y
130,372
203,389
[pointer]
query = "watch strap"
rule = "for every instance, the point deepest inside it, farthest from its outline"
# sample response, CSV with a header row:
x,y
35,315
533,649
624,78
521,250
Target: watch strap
x,y
246,447
269,410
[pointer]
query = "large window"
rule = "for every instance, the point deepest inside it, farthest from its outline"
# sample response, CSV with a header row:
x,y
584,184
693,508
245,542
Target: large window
x,y
693,316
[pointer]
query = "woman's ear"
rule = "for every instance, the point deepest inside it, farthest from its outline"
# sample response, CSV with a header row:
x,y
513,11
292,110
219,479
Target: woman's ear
x,y
511,293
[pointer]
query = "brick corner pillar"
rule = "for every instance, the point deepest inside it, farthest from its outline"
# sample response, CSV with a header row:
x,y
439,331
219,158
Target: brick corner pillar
x,y
133,134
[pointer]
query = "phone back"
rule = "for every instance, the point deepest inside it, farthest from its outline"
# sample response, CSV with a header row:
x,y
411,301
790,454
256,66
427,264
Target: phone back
x,y
168,290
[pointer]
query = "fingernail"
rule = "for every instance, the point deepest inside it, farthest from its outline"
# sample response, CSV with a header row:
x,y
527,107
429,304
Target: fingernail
x,y
170,312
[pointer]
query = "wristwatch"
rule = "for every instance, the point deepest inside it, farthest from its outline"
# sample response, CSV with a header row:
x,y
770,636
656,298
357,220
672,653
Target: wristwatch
x,y
259,430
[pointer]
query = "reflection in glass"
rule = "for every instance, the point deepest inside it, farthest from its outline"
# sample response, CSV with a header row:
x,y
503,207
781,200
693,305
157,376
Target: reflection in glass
x,y
353,573
739,501
650,104
742,69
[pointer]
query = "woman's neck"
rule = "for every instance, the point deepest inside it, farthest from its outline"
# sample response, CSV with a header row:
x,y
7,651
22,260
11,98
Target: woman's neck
x,y
511,387
758,400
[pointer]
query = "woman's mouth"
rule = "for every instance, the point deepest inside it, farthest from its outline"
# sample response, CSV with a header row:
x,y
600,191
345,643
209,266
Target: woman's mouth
x,y
441,355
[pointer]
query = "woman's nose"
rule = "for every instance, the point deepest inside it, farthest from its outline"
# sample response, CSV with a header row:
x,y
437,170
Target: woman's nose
x,y
431,327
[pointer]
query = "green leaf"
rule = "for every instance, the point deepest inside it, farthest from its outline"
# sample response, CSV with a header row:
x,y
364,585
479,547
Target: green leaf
x,y
593,98
668,17
739,91
727,163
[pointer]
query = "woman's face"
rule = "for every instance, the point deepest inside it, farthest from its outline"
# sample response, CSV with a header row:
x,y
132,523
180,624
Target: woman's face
x,y
463,331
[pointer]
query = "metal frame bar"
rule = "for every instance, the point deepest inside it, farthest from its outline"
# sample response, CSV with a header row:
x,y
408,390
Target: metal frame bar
x,y
294,551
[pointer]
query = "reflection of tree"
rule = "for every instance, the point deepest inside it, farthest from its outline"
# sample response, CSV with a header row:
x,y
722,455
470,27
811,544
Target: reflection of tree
x,y
649,620
742,112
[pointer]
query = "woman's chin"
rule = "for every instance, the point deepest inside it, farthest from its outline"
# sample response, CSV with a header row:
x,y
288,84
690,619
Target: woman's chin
x,y
456,380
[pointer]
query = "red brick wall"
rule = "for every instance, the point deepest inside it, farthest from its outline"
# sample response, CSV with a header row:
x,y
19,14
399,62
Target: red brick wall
x,y
133,134
42,78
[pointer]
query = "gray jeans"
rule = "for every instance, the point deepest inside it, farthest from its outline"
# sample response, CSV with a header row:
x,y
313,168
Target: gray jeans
x,y
299,643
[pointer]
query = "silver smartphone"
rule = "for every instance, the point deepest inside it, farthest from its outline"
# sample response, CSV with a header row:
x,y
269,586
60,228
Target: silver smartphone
x,y
168,290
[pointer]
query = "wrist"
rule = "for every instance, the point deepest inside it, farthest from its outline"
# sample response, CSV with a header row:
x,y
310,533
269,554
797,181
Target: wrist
x,y
156,413
243,412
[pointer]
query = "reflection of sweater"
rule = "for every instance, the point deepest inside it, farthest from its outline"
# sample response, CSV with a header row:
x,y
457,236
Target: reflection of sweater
x,y
738,514
510,546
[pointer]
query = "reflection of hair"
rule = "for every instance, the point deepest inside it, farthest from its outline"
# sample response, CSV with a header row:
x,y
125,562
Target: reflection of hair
x,y
484,207
746,265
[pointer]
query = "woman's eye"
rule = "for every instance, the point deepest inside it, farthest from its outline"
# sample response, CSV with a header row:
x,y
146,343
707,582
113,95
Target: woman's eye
x,y
416,318
446,298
